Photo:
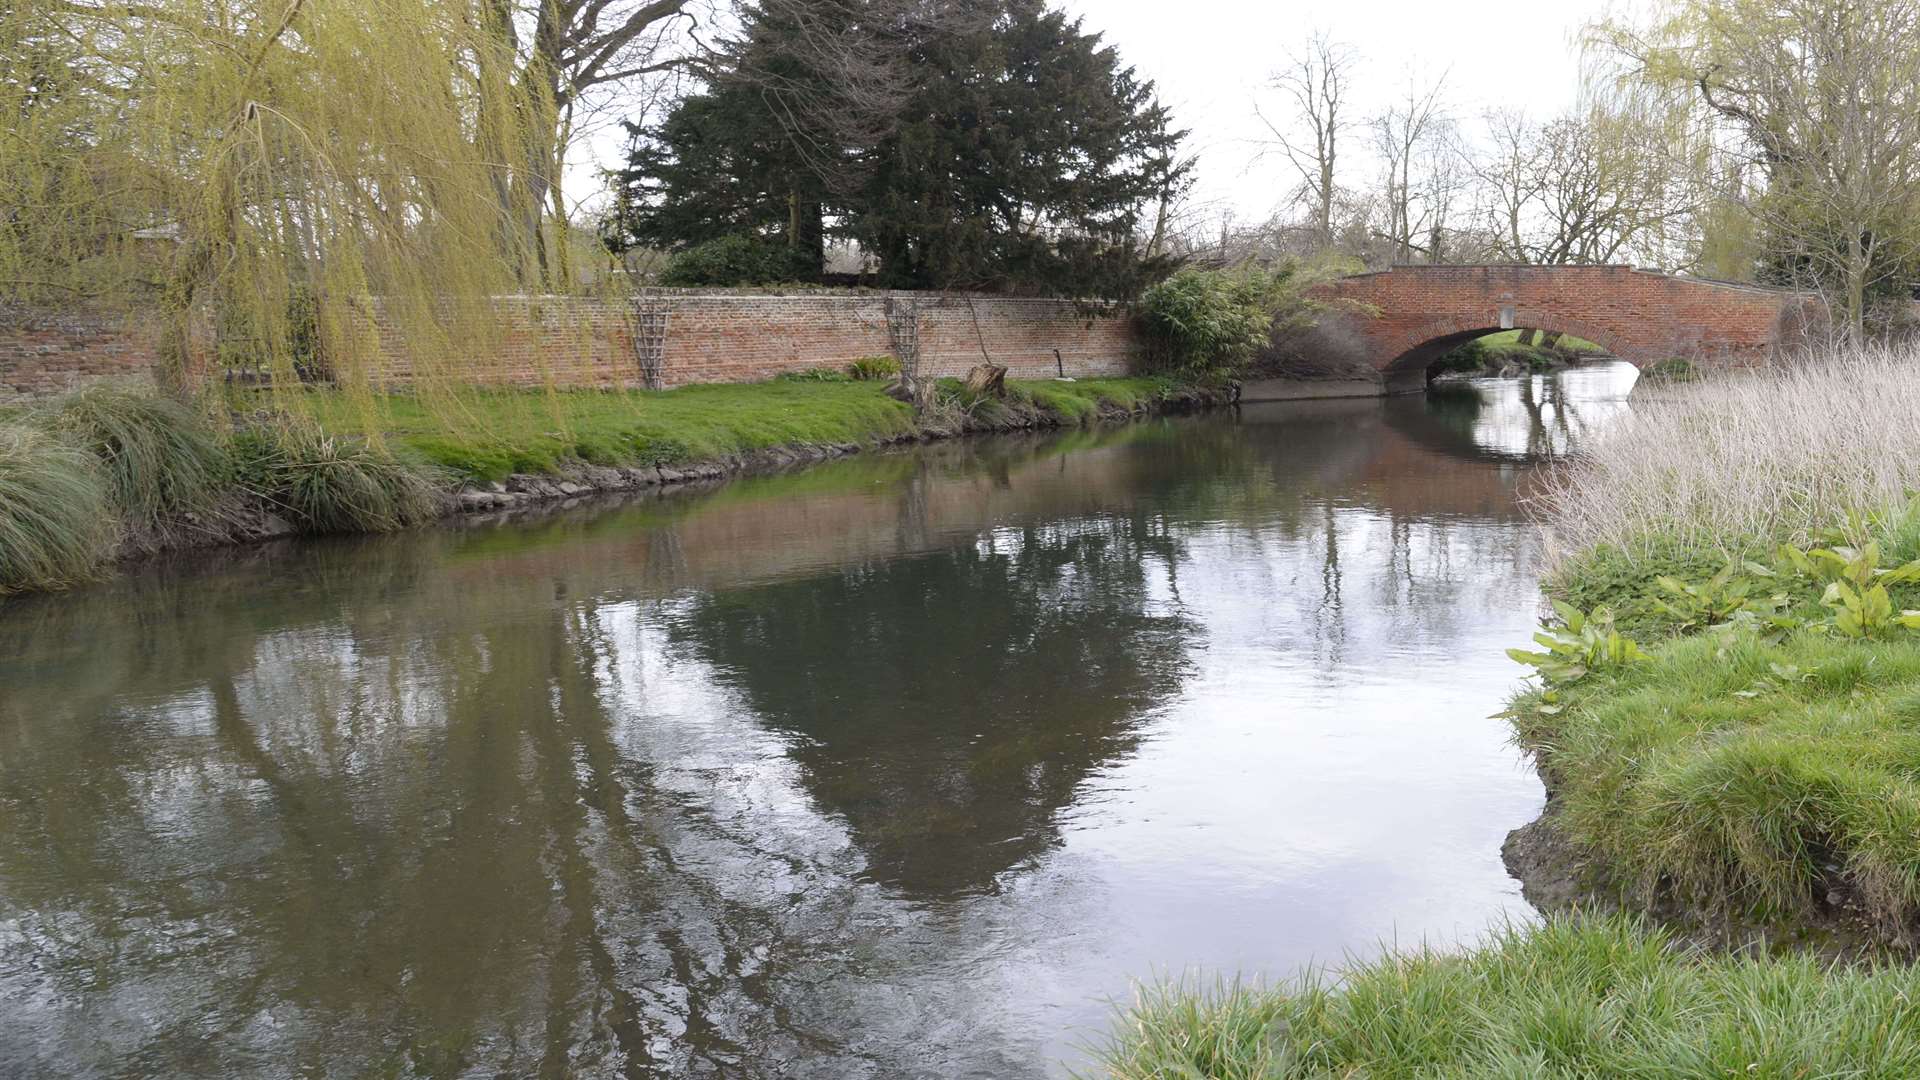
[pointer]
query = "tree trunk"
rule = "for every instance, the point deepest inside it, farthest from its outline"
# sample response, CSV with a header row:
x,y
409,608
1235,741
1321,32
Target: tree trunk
x,y
1857,268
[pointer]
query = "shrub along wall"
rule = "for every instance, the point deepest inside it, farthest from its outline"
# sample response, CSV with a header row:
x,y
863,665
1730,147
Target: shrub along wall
x,y
699,336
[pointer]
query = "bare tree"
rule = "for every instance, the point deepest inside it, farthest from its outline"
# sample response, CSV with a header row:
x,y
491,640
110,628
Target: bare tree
x,y
563,58
1510,181
1313,107
1415,140
1604,181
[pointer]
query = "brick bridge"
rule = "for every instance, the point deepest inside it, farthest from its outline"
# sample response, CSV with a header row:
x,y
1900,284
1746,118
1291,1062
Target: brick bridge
x,y
1640,316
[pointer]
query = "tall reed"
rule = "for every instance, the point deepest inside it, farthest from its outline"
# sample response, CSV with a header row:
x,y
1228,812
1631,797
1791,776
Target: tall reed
x,y
1745,459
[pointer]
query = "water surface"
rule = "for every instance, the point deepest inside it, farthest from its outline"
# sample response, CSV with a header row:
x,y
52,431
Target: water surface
x,y
899,766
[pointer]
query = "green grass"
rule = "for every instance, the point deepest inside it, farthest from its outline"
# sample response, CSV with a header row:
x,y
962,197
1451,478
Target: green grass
x,y
56,524
1585,999
1744,776
1734,773
489,436
1510,339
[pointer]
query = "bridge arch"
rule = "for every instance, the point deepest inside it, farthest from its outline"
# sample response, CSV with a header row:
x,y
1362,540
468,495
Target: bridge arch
x,y
1406,317
1420,357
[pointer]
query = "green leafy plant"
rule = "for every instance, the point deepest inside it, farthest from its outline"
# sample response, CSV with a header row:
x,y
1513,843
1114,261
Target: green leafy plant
x,y
814,375
1579,645
1856,587
871,368
1208,324
1720,599
1866,613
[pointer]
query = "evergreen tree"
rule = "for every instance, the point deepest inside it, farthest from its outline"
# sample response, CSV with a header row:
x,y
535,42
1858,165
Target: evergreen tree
x,y
1013,150
719,167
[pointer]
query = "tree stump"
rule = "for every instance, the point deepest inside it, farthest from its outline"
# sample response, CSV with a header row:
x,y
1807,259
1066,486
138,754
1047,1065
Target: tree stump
x,y
988,379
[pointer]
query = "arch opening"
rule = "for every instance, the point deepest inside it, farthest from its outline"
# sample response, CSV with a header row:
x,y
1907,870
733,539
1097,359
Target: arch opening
x,y
1492,350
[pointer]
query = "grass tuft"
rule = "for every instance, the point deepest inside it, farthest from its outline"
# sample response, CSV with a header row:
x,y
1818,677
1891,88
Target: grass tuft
x,y
159,458
1574,998
336,484
55,524
1747,777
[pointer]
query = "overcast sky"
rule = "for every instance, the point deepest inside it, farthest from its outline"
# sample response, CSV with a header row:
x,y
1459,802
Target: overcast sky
x,y
1210,58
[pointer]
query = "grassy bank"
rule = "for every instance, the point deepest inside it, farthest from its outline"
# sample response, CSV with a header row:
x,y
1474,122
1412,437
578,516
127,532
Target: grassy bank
x,y
1762,763
491,435
108,472
1576,998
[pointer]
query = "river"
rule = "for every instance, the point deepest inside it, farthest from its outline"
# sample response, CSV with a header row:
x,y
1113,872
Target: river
x,y
903,765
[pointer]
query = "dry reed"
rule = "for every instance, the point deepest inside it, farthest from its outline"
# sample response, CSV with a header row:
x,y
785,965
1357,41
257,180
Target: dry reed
x,y
1745,460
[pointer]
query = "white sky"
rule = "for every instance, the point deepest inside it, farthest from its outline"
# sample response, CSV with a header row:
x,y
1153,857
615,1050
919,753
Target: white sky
x,y
1210,58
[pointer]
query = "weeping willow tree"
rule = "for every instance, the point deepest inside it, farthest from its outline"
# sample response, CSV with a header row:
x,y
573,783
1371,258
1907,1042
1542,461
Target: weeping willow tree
x,y
273,175
1819,106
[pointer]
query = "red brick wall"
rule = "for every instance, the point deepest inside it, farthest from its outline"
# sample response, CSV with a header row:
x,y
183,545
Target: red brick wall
x,y
1643,317
47,353
710,337
746,337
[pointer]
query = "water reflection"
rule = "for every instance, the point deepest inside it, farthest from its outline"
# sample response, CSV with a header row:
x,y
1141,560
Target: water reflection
x,y
1533,417
924,700
894,767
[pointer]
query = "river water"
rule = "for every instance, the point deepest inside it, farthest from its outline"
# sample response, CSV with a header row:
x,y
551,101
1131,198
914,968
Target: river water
x,y
904,765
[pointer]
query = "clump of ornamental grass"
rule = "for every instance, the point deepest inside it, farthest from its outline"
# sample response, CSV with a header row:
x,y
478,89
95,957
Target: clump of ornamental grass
x,y
158,457
336,484
56,524
1573,998
1741,461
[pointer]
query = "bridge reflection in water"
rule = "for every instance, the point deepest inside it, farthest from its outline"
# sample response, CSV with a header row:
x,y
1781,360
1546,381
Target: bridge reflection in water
x,y
892,767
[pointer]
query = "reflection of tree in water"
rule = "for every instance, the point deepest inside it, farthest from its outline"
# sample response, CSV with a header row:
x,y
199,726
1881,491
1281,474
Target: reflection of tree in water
x,y
1455,407
391,835
414,806
1528,419
949,706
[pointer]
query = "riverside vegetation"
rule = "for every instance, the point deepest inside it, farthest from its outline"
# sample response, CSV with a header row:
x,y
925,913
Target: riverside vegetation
x,y
1727,716
112,470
